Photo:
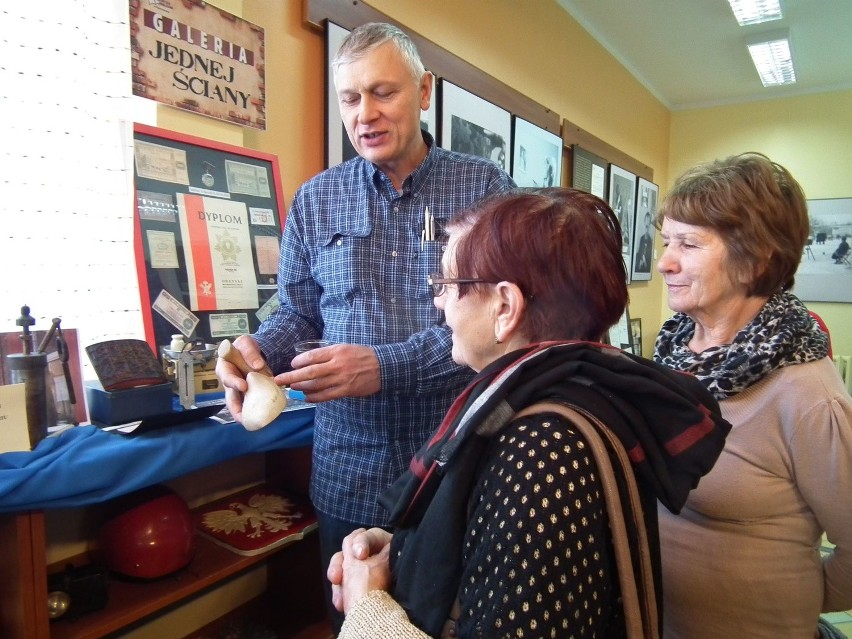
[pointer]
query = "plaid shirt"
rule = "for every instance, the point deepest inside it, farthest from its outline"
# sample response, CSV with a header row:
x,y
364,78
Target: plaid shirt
x,y
353,270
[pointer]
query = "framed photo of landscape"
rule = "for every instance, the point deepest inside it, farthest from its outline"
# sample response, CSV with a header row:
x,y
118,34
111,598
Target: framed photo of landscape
x,y
825,272
470,124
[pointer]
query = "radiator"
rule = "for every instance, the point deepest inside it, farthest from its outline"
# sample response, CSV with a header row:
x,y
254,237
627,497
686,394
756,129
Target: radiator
x,y
844,367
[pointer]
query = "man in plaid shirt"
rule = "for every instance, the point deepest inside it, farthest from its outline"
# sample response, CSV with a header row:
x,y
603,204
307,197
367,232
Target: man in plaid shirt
x,y
359,242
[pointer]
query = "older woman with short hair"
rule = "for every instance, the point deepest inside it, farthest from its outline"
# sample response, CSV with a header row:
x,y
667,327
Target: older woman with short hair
x,y
742,559
503,521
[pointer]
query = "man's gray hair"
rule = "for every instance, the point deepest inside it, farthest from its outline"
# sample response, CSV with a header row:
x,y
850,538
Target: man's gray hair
x,y
368,37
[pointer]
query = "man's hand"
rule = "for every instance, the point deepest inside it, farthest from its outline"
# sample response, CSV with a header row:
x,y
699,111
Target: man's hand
x,y
332,372
361,566
231,377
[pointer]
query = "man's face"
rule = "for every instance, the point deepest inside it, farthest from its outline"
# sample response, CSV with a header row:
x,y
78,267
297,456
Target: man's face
x,y
380,105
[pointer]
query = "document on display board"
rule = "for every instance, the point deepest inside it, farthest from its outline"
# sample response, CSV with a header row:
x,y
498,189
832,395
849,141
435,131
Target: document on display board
x,y
218,253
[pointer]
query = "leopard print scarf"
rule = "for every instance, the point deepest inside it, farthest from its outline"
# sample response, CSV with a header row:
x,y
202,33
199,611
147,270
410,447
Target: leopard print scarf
x,y
782,334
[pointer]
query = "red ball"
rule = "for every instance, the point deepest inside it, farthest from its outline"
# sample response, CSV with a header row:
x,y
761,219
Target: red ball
x,y
149,534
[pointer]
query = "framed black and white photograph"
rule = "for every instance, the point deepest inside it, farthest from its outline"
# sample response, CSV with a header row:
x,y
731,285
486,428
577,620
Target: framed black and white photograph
x,y
636,335
536,155
825,272
470,124
589,172
622,192
642,259
429,117
620,335
338,148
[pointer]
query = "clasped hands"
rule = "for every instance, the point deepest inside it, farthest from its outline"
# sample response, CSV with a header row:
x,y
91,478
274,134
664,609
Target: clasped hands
x,y
362,565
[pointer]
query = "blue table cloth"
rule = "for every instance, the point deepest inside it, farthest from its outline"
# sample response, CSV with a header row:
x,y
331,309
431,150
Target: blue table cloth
x,y
85,465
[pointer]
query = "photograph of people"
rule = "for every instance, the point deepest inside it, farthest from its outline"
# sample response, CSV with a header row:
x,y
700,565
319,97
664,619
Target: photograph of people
x,y
622,195
743,558
501,521
644,247
841,252
643,243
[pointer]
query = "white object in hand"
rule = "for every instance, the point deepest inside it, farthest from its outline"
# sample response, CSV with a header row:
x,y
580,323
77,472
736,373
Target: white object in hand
x,y
263,400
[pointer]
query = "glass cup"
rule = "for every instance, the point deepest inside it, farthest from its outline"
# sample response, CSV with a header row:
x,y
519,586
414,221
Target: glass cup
x,y
309,345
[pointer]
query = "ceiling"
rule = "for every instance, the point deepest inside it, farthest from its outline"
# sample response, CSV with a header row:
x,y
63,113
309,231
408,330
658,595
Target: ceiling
x,y
691,53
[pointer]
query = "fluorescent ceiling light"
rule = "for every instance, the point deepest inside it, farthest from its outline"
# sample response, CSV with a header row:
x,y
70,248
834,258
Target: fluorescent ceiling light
x,y
755,11
771,55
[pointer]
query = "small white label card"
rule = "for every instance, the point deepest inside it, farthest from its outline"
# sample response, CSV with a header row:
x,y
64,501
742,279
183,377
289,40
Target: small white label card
x,y
14,434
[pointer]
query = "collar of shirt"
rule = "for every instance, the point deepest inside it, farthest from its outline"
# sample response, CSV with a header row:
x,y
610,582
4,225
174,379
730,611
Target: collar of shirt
x,y
414,182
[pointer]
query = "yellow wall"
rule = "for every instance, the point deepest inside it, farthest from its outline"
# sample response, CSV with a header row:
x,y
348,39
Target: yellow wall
x,y
536,48
810,135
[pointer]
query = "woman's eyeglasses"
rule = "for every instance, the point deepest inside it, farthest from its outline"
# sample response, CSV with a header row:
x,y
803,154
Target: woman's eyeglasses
x,y
439,283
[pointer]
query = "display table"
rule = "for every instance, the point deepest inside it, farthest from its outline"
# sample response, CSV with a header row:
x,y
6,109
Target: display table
x,y
85,465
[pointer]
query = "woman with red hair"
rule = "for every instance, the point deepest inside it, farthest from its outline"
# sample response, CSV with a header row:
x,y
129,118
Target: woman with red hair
x,y
504,522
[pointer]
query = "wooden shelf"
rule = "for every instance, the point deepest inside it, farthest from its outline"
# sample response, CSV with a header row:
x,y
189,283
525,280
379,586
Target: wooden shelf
x,y
293,600
131,601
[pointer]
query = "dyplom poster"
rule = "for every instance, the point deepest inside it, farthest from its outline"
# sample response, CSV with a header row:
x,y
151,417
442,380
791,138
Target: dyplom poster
x,y
217,250
193,56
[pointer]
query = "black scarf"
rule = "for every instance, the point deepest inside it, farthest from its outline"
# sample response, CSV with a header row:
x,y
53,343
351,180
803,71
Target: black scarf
x,y
782,334
669,425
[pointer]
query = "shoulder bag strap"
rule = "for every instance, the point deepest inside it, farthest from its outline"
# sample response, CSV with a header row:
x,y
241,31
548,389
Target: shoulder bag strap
x,y
637,591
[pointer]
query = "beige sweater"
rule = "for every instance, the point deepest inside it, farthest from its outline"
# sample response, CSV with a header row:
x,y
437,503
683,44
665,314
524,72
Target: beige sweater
x,y
377,615
742,559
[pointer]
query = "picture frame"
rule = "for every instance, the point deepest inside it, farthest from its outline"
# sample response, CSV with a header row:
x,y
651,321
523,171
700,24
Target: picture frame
x,y
622,200
207,231
619,334
473,125
589,172
822,277
338,148
536,155
429,117
644,231
636,335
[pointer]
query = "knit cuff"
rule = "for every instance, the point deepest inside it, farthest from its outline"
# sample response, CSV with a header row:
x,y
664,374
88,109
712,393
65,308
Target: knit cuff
x,y
377,615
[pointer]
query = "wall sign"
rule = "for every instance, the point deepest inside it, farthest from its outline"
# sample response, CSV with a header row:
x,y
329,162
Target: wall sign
x,y
196,57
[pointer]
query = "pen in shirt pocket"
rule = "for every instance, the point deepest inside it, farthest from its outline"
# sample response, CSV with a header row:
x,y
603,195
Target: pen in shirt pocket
x,y
428,233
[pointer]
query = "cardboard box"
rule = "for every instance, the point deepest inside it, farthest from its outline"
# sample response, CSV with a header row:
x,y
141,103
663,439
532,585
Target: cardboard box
x,y
119,407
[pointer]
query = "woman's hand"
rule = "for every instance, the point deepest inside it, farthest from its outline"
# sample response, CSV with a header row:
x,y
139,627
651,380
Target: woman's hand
x,y
361,566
